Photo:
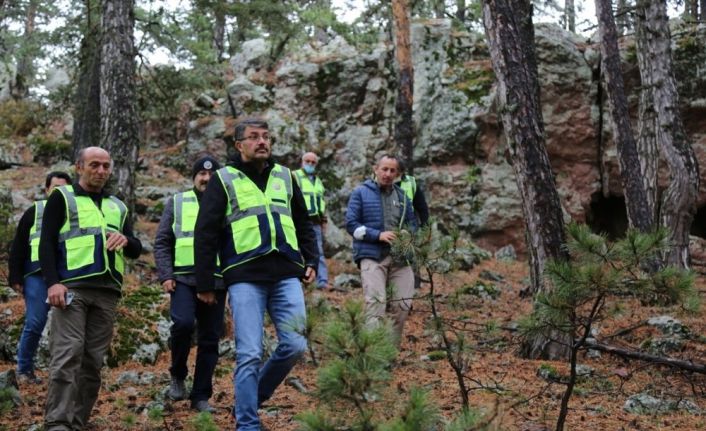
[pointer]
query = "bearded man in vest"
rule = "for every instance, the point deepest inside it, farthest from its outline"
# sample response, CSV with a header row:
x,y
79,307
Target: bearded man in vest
x,y
86,235
254,219
313,190
25,278
376,211
174,258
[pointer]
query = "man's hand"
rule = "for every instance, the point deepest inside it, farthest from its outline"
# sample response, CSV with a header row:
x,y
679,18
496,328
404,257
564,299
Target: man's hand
x,y
388,236
207,297
115,241
309,275
57,295
17,287
168,286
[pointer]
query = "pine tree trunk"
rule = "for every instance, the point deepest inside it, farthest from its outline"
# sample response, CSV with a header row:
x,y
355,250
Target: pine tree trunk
x,y
570,15
510,36
219,31
119,122
461,10
679,200
87,105
622,19
25,69
439,9
639,215
702,10
404,128
647,145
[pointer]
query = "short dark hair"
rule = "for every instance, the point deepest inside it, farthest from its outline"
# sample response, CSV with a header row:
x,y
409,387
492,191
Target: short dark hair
x,y
56,174
258,123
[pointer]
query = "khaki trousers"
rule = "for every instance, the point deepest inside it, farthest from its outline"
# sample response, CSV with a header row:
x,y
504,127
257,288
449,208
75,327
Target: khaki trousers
x,y
387,287
79,337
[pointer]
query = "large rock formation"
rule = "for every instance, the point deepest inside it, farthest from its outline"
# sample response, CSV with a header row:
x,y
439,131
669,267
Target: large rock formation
x,y
338,102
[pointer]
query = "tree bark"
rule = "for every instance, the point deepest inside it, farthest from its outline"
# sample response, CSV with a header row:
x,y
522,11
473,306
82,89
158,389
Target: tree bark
x,y
647,145
404,128
461,10
119,122
642,356
87,105
570,15
439,9
635,196
510,36
219,30
25,68
679,201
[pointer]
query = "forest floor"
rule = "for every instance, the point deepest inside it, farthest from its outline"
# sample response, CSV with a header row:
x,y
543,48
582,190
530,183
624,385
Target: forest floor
x,y
505,387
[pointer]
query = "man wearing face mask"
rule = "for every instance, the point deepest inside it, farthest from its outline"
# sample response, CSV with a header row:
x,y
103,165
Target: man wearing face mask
x,y
313,191
174,257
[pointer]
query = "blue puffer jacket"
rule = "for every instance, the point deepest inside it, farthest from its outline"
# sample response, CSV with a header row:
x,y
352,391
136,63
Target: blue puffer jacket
x,y
365,220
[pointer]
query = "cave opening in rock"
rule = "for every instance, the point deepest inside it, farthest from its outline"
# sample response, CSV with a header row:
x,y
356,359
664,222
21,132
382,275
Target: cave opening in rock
x,y
608,215
698,225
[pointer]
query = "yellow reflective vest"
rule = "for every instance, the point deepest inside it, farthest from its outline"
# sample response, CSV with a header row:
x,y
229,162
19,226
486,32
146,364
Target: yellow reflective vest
x,y
35,232
313,192
82,238
409,186
186,210
258,223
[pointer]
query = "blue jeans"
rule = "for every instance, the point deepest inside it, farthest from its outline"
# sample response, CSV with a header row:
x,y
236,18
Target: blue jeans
x,y
284,302
36,310
185,309
321,271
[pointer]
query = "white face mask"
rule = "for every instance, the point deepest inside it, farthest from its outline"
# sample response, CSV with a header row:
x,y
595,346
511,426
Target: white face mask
x,y
309,169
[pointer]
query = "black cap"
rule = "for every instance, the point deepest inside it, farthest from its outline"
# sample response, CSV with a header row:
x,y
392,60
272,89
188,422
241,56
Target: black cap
x,y
207,163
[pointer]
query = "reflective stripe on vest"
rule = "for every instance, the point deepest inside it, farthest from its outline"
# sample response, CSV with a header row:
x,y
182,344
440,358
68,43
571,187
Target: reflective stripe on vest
x,y
186,209
258,223
82,238
409,186
313,193
35,232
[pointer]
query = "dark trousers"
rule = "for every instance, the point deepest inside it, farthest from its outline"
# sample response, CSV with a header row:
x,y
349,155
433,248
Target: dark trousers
x,y
185,310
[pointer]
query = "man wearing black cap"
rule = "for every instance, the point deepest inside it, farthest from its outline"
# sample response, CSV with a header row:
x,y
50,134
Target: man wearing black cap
x,y
174,257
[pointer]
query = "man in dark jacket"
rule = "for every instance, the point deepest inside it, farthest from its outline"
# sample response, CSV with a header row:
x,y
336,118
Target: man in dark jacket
x,y
86,235
174,258
253,216
376,209
25,278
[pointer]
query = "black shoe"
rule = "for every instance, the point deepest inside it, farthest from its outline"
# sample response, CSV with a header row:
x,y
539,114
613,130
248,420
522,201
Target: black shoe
x,y
202,406
177,390
28,378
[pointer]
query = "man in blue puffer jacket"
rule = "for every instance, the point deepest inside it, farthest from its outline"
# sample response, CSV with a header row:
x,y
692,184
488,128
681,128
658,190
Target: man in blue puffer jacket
x,y
376,209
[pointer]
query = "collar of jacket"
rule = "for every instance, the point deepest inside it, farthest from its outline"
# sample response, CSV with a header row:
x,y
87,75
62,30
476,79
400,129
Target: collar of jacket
x,y
249,168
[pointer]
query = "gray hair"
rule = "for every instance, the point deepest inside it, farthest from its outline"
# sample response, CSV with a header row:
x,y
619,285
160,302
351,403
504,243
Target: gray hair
x,y
258,123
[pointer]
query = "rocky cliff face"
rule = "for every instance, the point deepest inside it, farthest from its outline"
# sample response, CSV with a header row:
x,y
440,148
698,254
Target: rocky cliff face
x,y
339,102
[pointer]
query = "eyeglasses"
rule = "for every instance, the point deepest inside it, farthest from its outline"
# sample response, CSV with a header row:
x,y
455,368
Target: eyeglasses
x,y
256,138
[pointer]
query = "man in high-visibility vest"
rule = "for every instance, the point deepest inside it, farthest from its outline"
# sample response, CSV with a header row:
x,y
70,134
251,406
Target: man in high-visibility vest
x,y
174,258
313,190
86,235
413,190
254,219
25,278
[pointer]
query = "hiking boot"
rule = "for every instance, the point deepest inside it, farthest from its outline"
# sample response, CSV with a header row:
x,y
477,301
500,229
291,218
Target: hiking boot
x,y
202,406
177,390
28,378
